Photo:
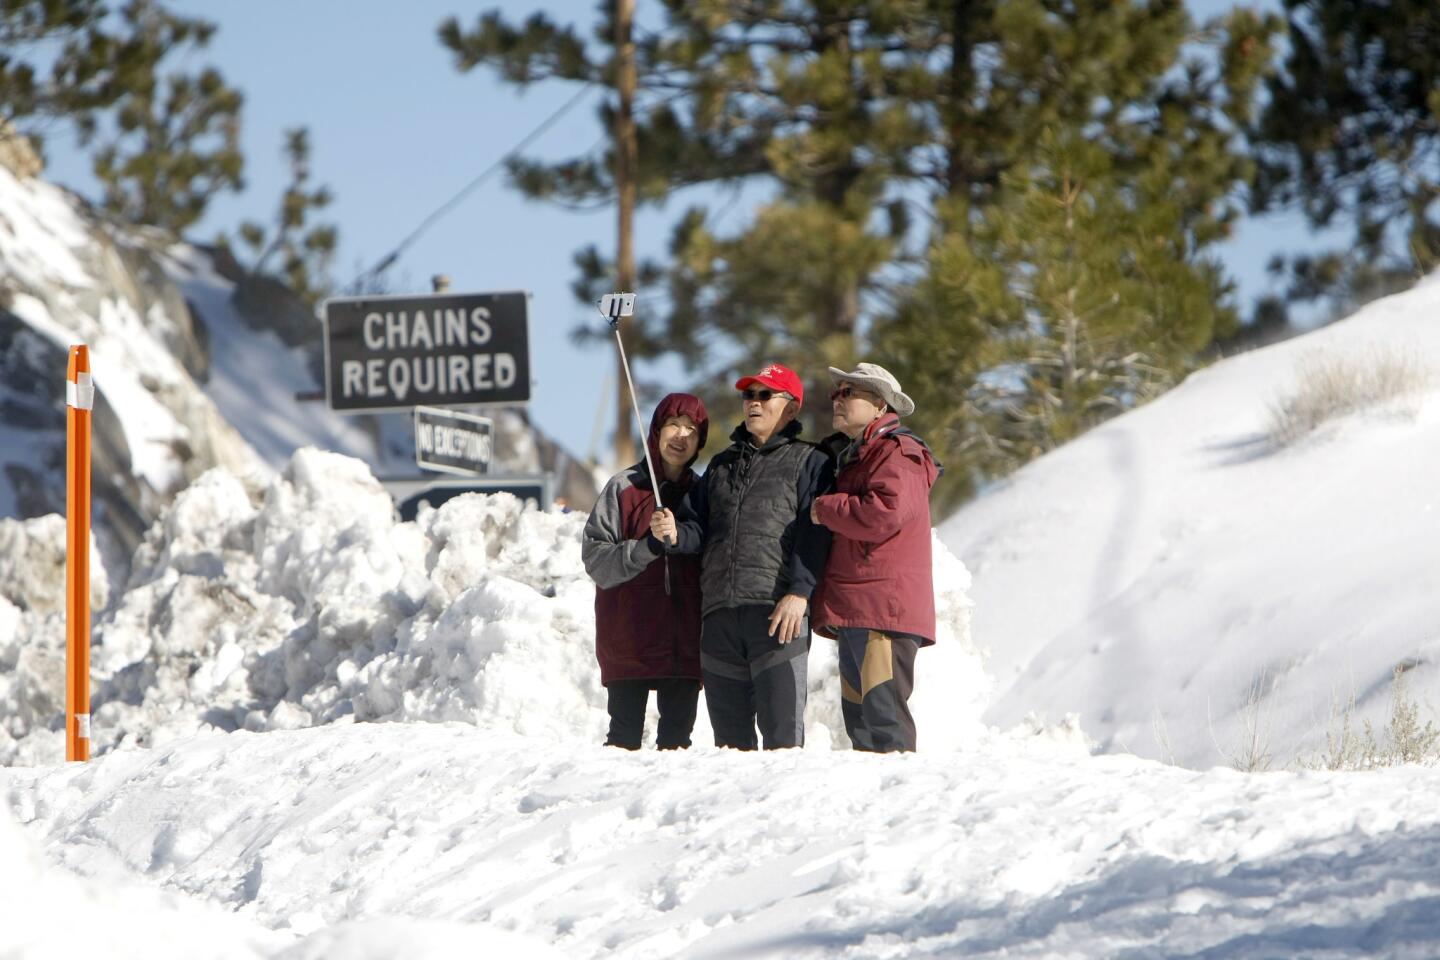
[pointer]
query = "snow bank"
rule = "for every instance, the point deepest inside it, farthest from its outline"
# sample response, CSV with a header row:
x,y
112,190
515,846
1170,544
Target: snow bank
x,y
1175,580
308,603
32,566
305,602
71,283
32,635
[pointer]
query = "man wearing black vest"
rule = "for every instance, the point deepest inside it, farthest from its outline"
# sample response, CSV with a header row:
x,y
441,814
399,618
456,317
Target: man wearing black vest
x,y
762,556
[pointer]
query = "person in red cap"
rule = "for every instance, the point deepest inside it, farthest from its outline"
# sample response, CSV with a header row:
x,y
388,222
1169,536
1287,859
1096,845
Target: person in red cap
x,y
762,556
647,614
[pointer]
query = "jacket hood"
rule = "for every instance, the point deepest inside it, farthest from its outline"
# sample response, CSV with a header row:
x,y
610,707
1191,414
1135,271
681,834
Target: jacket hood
x,y
676,405
888,425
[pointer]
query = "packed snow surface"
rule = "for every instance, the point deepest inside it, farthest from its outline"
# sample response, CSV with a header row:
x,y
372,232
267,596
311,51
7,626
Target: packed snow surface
x,y
1004,848
1195,593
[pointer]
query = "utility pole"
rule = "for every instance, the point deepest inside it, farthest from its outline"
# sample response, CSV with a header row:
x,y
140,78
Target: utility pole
x,y
626,159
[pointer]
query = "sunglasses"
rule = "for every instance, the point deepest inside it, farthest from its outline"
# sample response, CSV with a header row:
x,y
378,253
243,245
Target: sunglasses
x,y
845,393
763,395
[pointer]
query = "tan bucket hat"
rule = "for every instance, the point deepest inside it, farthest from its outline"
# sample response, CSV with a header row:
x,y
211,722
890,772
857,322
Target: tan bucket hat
x,y
878,381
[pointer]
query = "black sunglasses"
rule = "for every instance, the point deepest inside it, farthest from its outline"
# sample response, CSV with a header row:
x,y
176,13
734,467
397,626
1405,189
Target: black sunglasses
x,y
763,395
846,392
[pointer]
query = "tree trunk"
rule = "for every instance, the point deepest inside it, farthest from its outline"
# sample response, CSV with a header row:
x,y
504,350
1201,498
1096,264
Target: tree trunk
x,y
625,162
841,312
958,173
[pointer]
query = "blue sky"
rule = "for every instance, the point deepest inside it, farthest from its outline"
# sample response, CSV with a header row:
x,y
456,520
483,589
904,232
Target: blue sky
x,y
396,130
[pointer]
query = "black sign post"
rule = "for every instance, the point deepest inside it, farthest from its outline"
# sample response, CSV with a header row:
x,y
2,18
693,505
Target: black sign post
x,y
453,442
387,353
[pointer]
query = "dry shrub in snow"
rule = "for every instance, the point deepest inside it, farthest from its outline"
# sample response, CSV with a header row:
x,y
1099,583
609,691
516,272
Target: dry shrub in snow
x,y
1251,750
1404,738
1329,386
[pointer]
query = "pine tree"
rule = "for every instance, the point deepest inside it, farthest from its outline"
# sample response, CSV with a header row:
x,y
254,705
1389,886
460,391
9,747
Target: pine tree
x,y
730,91
912,208
1079,284
1076,298
174,140
177,139
819,98
56,65
1352,135
304,249
874,111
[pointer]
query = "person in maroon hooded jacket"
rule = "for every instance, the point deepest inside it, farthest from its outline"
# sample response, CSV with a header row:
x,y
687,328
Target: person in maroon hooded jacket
x,y
647,608
876,596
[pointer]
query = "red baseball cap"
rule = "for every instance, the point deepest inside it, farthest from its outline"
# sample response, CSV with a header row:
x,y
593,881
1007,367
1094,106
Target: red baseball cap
x,y
777,377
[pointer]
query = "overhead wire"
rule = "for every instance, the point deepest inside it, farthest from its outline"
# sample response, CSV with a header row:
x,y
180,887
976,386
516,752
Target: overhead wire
x,y
389,259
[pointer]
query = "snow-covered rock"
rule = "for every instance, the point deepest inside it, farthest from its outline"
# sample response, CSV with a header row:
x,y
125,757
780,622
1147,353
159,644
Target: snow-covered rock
x,y
68,278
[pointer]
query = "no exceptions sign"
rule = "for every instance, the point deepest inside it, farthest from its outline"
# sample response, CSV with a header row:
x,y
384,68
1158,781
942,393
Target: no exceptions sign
x,y
438,350
453,442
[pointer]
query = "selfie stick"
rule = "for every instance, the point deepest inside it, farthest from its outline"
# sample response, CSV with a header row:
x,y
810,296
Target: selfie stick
x,y
614,306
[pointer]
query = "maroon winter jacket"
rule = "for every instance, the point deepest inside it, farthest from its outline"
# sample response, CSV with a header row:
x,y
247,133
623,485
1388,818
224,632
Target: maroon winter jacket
x,y
643,632
879,574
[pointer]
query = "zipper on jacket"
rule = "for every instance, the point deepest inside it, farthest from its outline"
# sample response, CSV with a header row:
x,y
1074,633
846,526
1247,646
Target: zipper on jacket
x,y
742,475
657,502
677,623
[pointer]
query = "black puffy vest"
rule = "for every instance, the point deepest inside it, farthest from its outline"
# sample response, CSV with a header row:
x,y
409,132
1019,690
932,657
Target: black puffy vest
x,y
753,499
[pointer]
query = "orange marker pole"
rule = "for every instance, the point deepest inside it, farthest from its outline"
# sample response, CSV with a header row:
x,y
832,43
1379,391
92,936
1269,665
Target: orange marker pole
x,y
79,400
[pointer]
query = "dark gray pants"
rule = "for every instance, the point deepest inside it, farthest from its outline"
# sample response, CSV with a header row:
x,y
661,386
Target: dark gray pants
x,y
877,676
751,678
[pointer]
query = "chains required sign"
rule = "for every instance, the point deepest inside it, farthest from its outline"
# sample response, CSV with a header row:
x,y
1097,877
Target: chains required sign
x,y
438,350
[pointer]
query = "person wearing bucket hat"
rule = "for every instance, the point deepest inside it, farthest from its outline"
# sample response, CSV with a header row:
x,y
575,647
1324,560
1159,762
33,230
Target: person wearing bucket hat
x,y
647,614
762,553
876,596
